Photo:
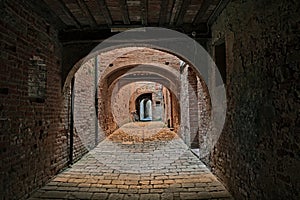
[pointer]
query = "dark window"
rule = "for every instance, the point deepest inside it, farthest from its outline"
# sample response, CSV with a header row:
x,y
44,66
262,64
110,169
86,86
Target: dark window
x,y
220,57
37,78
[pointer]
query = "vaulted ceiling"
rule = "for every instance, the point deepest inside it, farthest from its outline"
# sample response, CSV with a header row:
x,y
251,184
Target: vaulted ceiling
x,y
80,19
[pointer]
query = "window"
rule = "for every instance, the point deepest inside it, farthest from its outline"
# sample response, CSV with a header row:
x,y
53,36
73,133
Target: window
x,y
37,78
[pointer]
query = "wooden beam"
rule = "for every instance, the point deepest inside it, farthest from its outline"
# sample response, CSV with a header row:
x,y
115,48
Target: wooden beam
x,y
60,9
103,32
80,35
44,10
105,12
69,13
83,6
163,12
144,11
175,11
124,10
222,4
183,9
201,11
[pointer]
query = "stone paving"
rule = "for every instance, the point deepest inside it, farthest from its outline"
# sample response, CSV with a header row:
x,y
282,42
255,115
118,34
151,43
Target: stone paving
x,y
142,161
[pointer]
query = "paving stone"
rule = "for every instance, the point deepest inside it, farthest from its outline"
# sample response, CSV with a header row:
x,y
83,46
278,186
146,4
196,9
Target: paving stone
x,y
123,186
82,195
143,191
55,194
50,187
193,195
220,194
203,195
167,196
183,178
115,196
149,196
113,190
131,196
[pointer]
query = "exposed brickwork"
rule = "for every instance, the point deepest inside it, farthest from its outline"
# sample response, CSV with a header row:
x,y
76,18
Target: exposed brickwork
x,y
124,100
84,109
204,122
175,117
33,136
113,64
257,155
195,111
193,108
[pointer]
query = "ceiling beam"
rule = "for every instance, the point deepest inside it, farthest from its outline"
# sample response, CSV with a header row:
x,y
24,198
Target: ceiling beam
x,y
69,13
124,10
84,7
102,33
175,11
60,9
201,11
217,11
44,10
79,35
183,9
105,12
144,12
163,12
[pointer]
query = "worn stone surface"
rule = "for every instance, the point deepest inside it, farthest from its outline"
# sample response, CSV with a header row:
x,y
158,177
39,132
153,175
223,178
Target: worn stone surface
x,y
157,169
257,155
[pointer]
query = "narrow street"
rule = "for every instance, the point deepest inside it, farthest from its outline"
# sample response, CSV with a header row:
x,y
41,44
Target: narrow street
x,y
141,160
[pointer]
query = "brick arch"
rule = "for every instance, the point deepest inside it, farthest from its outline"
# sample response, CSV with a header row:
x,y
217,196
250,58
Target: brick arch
x,y
176,109
173,43
136,94
112,56
107,84
183,54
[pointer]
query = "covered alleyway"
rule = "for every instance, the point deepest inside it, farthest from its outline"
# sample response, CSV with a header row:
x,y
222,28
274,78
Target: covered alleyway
x,y
220,77
141,160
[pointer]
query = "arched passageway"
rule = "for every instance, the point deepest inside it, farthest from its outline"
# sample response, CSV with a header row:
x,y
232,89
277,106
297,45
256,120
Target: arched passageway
x,y
254,43
163,96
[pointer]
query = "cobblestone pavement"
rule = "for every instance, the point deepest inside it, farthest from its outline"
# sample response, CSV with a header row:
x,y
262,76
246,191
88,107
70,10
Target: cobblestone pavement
x,y
139,161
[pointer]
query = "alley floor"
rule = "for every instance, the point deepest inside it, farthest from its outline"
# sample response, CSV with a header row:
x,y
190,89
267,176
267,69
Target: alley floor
x,y
141,160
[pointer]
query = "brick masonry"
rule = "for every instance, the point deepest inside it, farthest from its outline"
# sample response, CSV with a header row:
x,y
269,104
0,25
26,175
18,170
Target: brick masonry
x,y
33,134
124,100
114,62
257,155
84,109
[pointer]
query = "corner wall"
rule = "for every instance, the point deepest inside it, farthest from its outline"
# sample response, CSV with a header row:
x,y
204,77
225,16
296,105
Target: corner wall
x,y
257,155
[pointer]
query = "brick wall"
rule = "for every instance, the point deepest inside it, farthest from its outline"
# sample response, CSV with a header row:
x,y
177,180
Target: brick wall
x,y
84,109
195,112
204,123
257,155
33,135
114,62
193,108
123,100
